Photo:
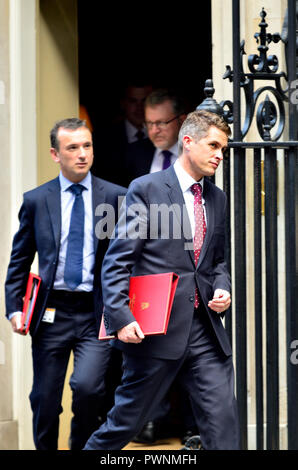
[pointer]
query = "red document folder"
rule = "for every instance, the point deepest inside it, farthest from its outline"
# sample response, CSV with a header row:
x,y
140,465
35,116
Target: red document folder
x,y
29,300
150,301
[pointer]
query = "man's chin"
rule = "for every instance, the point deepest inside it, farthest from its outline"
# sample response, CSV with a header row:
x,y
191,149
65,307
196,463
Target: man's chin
x,y
161,145
78,175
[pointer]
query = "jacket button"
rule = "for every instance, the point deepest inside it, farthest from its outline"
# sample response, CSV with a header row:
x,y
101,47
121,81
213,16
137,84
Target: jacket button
x,y
192,298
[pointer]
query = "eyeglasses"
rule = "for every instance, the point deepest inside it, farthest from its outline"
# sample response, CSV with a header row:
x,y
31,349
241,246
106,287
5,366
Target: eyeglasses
x,y
160,124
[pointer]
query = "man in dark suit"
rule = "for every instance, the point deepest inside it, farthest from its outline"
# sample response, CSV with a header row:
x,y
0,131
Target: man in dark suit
x,y
165,112
196,347
111,142
60,221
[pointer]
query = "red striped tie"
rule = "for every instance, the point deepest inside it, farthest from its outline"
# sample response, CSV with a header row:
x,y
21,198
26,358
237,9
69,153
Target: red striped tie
x,y
200,227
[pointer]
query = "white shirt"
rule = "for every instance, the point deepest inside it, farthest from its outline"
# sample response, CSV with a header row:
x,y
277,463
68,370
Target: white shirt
x,y
158,158
67,200
186,181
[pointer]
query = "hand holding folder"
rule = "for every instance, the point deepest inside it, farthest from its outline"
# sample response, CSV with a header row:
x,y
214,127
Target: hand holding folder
x,y
150,301
29,301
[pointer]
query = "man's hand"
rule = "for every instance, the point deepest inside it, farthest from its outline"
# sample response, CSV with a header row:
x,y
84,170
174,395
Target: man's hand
x,y
17,324
131,333
221,301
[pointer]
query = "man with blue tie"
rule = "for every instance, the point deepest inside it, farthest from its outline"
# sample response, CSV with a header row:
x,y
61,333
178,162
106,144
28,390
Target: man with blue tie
x,y
60,221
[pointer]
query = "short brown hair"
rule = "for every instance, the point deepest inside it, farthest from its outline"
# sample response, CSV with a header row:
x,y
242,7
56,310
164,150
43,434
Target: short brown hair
x,y
160,95
197,125
70,123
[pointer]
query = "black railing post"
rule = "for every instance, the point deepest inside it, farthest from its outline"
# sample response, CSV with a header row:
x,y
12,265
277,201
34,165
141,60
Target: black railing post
x,y
271,256
258,299
236,72
291,229
227,190
240,239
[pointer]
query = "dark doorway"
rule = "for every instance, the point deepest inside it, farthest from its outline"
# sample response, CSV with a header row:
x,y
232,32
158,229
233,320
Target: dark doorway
x,y
166,45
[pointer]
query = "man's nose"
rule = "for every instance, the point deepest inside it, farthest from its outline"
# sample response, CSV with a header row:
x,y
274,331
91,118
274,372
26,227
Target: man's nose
x,y
155,127
83,152
219,154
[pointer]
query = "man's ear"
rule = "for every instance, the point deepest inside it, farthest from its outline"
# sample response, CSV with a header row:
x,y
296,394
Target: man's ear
x,y
187,140
182,118
55,155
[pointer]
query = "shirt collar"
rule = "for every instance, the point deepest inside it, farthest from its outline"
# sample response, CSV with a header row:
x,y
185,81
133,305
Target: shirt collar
x,y
184,178
65,183
173,149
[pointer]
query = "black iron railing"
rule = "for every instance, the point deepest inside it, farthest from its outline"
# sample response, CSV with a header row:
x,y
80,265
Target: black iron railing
x,y
271,117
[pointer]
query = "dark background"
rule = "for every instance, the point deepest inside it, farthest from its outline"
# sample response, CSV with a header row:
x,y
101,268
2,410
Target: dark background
x,y
153,43
167,46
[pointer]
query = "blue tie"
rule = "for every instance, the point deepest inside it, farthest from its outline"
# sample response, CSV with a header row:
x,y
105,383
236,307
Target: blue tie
x,y
74,254
167,159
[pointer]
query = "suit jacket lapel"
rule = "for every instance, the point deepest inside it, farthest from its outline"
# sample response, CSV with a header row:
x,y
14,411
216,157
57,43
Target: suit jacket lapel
x,y
53,200
144,163
98,197
177,199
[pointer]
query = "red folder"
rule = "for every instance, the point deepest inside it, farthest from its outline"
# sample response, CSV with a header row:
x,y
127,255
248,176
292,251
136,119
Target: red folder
x,y
150,301
33,284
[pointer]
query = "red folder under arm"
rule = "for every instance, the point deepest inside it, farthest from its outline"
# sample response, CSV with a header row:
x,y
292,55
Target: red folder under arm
x,y
150,301
29,300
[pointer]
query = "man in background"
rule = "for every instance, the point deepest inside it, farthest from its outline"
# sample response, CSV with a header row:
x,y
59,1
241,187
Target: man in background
x,y
165,112
112,141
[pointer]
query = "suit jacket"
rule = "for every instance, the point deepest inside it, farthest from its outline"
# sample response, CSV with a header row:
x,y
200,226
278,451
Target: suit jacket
x,y
138,159
152,253
39,232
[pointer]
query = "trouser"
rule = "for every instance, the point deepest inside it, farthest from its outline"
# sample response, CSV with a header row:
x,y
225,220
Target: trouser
x,y
208,376
73,330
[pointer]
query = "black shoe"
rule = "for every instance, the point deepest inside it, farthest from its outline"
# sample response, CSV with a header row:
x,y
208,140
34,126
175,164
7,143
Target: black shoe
x,y
187,434
148,434
193,443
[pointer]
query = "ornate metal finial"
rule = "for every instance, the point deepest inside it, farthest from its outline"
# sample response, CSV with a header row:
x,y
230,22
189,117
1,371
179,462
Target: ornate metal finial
x,y
264,63
266,118
209,103
261,67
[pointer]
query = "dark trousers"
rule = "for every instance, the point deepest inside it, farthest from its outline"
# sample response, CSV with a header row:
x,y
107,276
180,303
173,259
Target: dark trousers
x,y
208,376
74,330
